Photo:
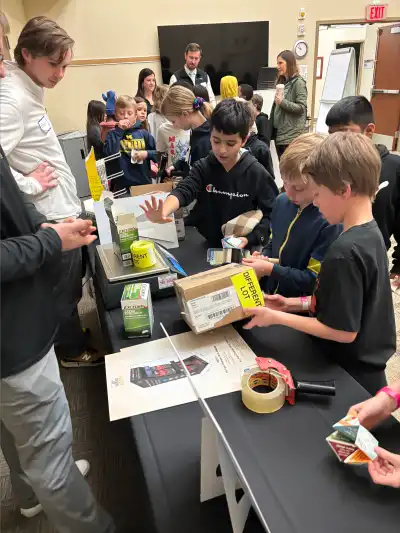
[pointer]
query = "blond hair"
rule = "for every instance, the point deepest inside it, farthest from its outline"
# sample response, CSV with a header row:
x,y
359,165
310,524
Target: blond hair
x,y
160,92
346,158
125,101
296,155
180,100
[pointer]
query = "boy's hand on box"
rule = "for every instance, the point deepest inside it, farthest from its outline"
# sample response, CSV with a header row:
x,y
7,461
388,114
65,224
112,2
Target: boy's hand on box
x,y
261,317
385,470
262,267
154,211
276,302
374,410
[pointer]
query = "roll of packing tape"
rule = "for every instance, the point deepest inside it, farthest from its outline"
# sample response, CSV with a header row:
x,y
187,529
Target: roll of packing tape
x,y
143,254
261,402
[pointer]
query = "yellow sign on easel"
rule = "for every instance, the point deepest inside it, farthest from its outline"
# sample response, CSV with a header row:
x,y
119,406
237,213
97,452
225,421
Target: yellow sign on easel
x,y
95,185
248,289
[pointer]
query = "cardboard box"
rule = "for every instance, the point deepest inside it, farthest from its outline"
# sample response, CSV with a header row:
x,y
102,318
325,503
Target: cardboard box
x,y
124,231
137,310
139,190
210,300
351,442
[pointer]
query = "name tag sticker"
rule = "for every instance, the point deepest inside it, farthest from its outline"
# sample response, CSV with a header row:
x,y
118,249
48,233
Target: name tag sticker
x,y
44,124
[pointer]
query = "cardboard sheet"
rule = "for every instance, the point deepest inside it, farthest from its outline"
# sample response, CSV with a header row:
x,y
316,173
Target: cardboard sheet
x,y
140,379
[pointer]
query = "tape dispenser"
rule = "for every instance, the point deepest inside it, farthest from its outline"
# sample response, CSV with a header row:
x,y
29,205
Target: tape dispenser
x,y
274,375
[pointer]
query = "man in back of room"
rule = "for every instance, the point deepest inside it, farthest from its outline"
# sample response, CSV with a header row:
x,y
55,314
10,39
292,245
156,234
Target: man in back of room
x,y
191,73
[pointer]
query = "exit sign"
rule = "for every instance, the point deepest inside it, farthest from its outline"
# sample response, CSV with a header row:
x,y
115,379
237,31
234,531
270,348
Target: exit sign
x,y
376,12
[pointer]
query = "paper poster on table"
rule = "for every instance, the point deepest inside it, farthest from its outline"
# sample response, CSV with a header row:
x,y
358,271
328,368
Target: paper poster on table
x,y
149,377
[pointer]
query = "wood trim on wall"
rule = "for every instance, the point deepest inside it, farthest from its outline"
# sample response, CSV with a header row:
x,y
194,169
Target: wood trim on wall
x,y
113,61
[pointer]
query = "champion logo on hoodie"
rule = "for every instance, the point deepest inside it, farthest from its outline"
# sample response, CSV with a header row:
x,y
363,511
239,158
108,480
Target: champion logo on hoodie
x,y
210,188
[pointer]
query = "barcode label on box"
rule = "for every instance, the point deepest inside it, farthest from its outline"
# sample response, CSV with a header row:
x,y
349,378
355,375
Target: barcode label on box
x,y
221,296
221,313
209,309
126,256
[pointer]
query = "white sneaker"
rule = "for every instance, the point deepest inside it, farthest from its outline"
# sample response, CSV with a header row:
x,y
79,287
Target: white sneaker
x,y
83,467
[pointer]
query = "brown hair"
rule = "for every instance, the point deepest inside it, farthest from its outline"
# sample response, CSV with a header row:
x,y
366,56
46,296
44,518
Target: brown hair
x,y
193,47
160,92
43,37
179,99
143,74
140,100
291,66
296,155
123,101
346,158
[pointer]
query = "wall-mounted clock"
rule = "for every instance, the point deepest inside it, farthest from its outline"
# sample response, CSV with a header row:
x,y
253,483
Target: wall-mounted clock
x,y
300,49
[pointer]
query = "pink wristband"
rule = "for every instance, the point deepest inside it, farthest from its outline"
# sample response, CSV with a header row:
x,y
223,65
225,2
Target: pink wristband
x,y
393,394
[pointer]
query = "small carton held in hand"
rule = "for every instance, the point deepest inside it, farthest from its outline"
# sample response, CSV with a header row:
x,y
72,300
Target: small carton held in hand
x,y
351,442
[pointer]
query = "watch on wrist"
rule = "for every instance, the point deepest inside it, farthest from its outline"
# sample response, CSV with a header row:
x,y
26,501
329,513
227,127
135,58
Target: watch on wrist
x,y
304,303
393,394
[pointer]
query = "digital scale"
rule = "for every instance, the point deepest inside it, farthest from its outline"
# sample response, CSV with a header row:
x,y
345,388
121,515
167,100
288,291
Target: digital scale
x,y
113,276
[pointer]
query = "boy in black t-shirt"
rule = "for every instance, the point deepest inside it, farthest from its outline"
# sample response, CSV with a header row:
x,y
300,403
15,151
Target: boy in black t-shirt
x,y
351,308
355,113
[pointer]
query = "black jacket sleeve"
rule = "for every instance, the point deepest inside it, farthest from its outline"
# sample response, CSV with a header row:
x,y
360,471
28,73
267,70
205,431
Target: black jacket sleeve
x,y
396,230
23,256
263,156
266,193
36,217
94,139
263,128
188,189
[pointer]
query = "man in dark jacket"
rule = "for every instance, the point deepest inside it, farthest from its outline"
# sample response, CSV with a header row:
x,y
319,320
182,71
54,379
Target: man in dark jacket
x,y
190,72
36,432
354,113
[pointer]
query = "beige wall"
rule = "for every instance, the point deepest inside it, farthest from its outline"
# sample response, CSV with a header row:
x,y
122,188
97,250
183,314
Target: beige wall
x,y
14,10
119,29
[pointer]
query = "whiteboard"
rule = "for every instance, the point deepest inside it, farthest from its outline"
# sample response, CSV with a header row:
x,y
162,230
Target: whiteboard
x,y
323,111
340,79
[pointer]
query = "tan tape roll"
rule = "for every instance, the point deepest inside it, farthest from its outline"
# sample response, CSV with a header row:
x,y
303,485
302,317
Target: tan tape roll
x,y
267,402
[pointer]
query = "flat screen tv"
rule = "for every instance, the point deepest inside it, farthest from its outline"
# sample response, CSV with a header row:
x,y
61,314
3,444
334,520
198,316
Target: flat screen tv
x,y
239,49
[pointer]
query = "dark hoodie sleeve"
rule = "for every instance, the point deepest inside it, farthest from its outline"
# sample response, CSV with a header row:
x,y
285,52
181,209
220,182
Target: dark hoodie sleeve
x,y
113,141
266,192
264,157
303,281
396,230
189,188
262,123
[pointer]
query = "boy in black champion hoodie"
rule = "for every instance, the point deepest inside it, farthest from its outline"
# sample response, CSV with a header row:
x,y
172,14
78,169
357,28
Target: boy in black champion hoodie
x,y
354,113
226,183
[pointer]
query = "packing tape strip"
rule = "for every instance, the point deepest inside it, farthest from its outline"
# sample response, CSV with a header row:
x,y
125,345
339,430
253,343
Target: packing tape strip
x,y
260,402
143,254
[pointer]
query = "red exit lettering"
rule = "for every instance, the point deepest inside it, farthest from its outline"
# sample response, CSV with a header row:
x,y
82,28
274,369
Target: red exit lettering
x,y
376,12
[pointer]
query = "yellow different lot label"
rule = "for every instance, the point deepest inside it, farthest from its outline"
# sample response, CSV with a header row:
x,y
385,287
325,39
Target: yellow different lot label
x,y
248,289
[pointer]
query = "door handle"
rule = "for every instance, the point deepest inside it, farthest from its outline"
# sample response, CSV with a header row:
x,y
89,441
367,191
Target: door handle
x,y
385,91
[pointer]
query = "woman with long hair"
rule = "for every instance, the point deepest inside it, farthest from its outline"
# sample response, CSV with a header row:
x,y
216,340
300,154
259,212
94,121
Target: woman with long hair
x,y
289,112
96,113
146,85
